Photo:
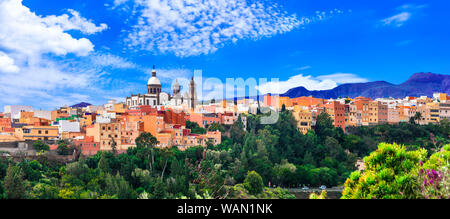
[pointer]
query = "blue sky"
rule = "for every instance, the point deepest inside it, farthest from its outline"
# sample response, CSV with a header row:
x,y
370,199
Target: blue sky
x,y
54,53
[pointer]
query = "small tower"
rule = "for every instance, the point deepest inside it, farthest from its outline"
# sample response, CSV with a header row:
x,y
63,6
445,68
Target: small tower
x,y
192,94
176,88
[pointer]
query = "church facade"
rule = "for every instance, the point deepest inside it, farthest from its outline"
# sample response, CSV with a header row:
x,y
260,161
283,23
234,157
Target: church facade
x,y
155,97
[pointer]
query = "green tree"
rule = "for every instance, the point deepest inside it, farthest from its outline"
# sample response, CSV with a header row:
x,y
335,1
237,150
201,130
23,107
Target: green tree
x,y
195,128
63,148
14,182
160,190
118,186
253,183
103,164
147,141
324,126
40,146
216,127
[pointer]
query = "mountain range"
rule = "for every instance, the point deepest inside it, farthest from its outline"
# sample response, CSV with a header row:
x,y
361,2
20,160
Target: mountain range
x,y
419,84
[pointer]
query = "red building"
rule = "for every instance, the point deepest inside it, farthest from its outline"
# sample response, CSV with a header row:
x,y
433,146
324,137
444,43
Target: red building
x,y
336,110
171,117
141,111
5,124
88,146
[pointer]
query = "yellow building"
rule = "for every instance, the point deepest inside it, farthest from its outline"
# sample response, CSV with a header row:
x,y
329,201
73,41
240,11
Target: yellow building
x,y
120,107
373,112
26,117
434,112
354,117
37,133
303,117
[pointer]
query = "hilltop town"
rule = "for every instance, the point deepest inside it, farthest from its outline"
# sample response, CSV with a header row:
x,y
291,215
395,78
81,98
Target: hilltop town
x,y
171,117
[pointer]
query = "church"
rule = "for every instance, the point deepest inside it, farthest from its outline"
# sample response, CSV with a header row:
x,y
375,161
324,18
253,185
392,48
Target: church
x,y
156,97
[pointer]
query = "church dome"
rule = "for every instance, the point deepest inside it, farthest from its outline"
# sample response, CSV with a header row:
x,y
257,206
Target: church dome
x,y
154,80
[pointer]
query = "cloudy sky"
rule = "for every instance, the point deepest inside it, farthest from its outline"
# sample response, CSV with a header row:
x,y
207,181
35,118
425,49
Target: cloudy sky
x,y
55,53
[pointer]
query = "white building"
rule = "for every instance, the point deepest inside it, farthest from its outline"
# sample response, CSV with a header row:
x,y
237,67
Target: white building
x,y
14,110
68,126
43,114
106,117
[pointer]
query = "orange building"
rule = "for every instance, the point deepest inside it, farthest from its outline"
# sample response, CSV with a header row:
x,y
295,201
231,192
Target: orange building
x,y
286,101
105,133
362,104
153,123
204,119
57,114
307,101
130,130
268,100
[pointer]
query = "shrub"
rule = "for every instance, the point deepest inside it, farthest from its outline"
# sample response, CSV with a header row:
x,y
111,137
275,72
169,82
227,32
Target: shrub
x,y
253,183
434,176
390,173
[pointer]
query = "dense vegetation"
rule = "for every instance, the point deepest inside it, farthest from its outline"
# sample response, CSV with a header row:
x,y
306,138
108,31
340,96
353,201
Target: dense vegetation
x,y
393,172
250,163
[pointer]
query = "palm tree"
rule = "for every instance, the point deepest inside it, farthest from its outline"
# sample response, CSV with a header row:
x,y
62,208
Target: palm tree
x,y
417,117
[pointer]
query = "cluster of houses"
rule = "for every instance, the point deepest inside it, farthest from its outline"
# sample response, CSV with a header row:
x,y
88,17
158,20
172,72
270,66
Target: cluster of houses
x,y
97,128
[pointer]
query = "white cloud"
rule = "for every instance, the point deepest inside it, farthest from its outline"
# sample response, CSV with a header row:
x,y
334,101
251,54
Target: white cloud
x,y
75,22
7,64
25,32
196,27
324,82
303,68
28,42
406,12
343,78
110,60
398,19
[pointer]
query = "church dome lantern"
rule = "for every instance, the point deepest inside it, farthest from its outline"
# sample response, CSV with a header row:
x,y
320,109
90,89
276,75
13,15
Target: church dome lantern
x,y
154,80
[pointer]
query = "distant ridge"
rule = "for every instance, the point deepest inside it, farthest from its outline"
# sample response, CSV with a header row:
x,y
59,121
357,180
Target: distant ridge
x,y
419,84
81,105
